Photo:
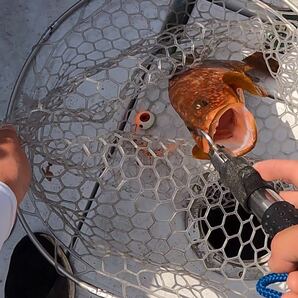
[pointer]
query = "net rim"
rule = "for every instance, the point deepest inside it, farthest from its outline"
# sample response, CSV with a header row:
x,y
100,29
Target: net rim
x,y
12,101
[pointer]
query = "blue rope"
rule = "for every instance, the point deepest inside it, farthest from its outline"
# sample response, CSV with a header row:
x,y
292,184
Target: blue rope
x,y
266,280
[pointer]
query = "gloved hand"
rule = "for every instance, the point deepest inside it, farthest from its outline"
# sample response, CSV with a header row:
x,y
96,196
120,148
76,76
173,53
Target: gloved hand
x,y
15,169
284,246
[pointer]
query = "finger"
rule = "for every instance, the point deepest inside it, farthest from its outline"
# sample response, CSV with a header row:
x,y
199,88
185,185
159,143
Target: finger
x,y
284,250
7,132
278,265
276,169
9,135
290,196
7,126
289,295
292,282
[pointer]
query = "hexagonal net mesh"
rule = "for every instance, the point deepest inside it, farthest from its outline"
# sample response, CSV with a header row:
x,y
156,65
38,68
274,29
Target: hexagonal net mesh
x,y
136,213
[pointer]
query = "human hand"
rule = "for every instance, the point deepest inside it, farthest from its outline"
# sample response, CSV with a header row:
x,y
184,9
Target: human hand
x,y
284,245
14,166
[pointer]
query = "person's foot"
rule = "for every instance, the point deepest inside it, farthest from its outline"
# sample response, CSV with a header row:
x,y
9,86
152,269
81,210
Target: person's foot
x,y
30,275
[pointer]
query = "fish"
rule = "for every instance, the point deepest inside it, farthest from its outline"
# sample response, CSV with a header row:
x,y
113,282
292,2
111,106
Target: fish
x,y
257,62
210,97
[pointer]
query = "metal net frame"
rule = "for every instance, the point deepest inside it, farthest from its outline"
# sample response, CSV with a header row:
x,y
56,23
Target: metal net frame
x,y
135,213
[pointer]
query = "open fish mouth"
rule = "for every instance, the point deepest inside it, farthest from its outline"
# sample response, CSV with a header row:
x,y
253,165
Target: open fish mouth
x,y
234,127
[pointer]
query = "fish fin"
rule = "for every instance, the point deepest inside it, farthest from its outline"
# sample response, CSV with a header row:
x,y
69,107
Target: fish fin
x,y
258,62
240,94
199,153
236,79
239,66
229,64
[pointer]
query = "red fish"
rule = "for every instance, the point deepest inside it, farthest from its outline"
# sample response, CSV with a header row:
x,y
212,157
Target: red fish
x,y
210,97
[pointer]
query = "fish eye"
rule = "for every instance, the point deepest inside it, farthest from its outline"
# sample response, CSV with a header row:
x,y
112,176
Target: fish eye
x,y
200,103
